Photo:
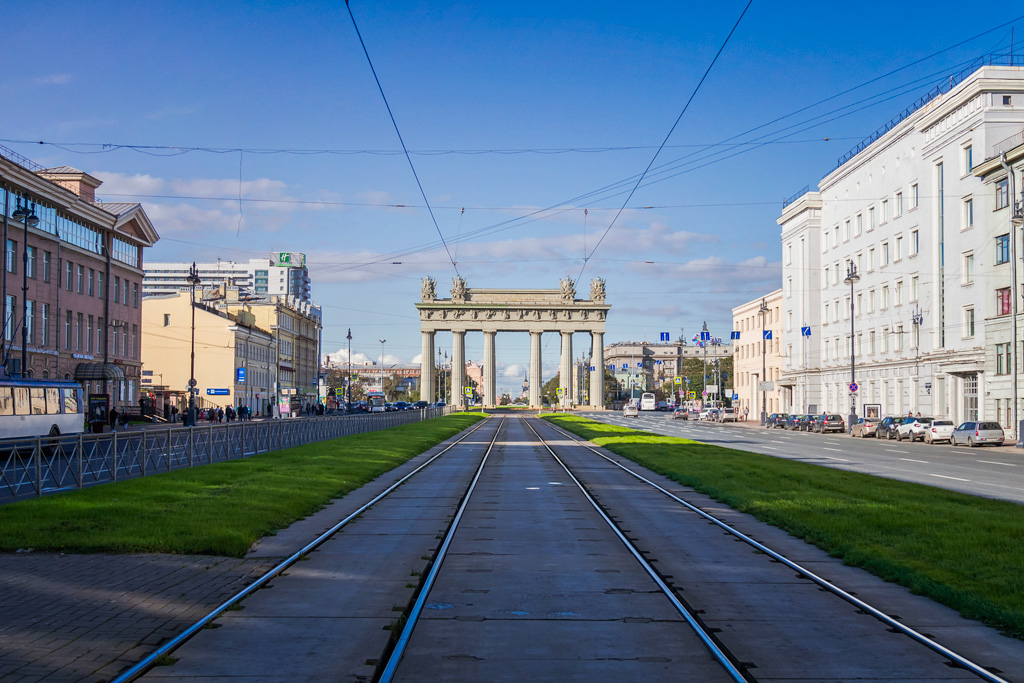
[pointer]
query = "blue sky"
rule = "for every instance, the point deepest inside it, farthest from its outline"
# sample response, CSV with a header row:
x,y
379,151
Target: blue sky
x,y
487,96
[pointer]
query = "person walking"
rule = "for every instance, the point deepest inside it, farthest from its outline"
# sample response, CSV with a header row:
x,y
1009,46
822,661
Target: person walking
x,y
113,419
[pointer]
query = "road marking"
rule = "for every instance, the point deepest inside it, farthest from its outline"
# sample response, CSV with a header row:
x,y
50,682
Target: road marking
x,y
992,462
942,476
829,457
769,448
912,460
892,450
837,450
782,442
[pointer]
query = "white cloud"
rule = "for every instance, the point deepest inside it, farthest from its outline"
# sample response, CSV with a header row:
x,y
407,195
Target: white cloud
x,y
54,79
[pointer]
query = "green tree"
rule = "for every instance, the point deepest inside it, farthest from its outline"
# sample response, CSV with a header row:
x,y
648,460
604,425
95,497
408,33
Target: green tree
x,y
548,391
505,400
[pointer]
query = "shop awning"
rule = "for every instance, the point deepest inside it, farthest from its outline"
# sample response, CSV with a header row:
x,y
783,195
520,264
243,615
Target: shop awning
x,y
99,371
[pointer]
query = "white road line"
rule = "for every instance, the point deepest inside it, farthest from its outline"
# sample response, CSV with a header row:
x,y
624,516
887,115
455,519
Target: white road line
x,y
892,450
991,462
829,457
782,442
912,460
837,450
769,448
942,476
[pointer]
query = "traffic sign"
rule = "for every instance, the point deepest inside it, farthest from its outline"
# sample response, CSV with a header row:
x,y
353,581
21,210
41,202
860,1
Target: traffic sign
x,y
853,387
217,392
664,336
735,397
704,393
468,391
677,380
559,391
192,382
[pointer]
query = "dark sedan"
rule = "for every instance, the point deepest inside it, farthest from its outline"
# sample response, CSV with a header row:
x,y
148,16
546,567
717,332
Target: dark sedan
x,y
777,420
829,423
888,426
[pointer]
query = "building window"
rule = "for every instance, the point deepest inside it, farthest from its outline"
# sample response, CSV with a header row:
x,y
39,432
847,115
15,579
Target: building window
x,y
969,322
8,323
871,218
871,342
30,321
899,337
899,247
167,319
1002,194
67,330
885,340
1004,303
968,268
898,208
12,256
899,292
885,253
30,262
92,280
968,213
967,159
871,259
871,301
44,325
125,298
1007,100
1003,249
114,335
846,230
69,275
81,279
915,287
1003,359
135,341
135,295
885,211
100,336
88,334
884,303
99,286
46,266
117,289
915,243
79,331
914,196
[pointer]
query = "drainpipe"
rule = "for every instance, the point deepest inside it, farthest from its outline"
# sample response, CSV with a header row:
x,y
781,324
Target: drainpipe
x,y
3,325
106,315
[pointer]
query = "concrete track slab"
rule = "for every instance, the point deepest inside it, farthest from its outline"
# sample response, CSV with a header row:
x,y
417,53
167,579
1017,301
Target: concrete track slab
x,y
590,651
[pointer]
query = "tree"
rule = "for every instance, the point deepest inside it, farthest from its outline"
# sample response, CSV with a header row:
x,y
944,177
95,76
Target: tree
x,y
548,393
505,400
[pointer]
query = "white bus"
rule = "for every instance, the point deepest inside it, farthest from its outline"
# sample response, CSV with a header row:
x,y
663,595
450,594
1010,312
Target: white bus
x,y
648,402
376,401
41,407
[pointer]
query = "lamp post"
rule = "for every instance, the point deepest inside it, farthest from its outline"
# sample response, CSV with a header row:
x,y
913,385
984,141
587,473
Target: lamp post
x,y
193,280
382,369
851,279
764,310
348,378
27,215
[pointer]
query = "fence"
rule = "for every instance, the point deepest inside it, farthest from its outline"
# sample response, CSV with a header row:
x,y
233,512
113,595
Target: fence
x,y
35,467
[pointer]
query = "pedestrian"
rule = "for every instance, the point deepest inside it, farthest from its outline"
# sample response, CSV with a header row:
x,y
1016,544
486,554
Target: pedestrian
x,y
174,413
113,419
220,415
746,410
124,420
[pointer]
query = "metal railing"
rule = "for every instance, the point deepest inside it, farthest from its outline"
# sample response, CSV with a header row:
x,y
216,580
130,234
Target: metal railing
x,y
30,468
795,196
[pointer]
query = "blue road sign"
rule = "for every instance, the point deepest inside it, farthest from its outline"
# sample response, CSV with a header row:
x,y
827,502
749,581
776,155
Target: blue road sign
x,y
592,368
805,331
767,334
624,366
664,336
218,392
240,375
735,335
705,336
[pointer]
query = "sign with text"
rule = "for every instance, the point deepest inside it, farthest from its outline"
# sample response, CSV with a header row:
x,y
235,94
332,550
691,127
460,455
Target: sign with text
x,y
766,386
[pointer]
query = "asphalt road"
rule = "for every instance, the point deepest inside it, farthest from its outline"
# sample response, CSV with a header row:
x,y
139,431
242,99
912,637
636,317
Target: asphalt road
x,y
992,472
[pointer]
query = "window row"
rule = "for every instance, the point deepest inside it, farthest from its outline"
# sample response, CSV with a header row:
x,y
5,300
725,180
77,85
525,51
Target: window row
x,y
82,333
887,209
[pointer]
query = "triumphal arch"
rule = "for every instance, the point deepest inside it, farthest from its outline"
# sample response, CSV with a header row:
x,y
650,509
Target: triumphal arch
x,y
515,310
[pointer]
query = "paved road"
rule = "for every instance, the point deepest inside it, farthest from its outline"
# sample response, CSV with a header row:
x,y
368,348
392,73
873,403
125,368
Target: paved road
x,y
992,472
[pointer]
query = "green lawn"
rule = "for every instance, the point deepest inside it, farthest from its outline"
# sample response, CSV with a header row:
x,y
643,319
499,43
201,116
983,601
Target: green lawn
x,y
964,551
219,509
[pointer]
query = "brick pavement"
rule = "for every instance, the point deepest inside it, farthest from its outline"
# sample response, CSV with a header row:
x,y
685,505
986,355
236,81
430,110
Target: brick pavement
x,y
89,617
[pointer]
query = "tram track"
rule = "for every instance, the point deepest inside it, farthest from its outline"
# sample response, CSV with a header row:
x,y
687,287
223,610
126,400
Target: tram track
x,y
893,624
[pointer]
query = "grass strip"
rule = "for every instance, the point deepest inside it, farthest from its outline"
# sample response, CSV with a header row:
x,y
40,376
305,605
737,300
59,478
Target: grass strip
x,y
961,550
219,509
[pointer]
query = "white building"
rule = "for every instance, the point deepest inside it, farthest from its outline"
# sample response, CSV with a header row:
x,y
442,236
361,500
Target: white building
x,y
283,274
902,209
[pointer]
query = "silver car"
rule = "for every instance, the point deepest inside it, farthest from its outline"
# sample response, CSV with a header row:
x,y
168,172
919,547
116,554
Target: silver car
x,y
977,434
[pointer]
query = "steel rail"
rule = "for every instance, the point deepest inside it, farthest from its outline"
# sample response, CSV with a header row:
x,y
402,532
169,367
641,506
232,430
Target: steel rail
x,y
414,614
711,645
170,646
920,638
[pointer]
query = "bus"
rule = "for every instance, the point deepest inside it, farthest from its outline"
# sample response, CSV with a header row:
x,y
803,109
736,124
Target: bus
x,y
376,401
648,402
31,407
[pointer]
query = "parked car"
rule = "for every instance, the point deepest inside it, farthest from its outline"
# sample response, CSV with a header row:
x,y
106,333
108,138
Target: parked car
x,y
705,414
977,434
887,427
777,420
865,426
797,422
939,430
913,428
681,414
727,415
631,410
829,423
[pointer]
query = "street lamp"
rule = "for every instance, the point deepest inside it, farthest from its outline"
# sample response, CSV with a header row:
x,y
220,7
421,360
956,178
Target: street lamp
x,y
193,280
348,379
851,279
764,392
382,368
27,215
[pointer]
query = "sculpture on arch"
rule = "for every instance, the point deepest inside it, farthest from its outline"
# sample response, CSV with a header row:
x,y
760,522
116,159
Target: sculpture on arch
x,y
597,290
459,293
568,290
429,289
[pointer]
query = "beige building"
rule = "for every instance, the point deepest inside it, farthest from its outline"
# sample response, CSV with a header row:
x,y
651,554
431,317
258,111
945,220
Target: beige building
x,y
757,359
236,361
646,366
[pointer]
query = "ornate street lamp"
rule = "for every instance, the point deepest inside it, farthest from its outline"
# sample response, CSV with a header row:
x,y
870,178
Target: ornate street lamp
x,y
764,310
382,369
851,279
193,280
348,379
27,215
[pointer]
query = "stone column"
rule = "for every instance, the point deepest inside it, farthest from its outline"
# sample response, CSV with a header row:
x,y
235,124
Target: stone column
x,y
458,368
565,369
427,368
535,374
490,400
597,374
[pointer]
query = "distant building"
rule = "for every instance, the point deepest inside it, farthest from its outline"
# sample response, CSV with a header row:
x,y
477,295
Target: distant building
x,y
282,274
81,261
754,351
646,366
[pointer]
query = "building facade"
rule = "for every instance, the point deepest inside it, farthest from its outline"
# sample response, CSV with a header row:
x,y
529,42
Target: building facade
x,y
899,233
282,274
72,283
759,358
235,361
646,366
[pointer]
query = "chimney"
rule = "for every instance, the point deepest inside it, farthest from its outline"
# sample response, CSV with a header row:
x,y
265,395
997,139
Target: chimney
x,y
79,182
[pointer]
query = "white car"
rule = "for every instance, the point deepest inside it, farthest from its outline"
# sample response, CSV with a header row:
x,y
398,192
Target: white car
x,y
939,430
913,429
727,415
705,414
631,409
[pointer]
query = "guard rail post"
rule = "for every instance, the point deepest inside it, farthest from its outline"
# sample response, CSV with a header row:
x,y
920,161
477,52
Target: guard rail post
x,y
78,457
39,466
